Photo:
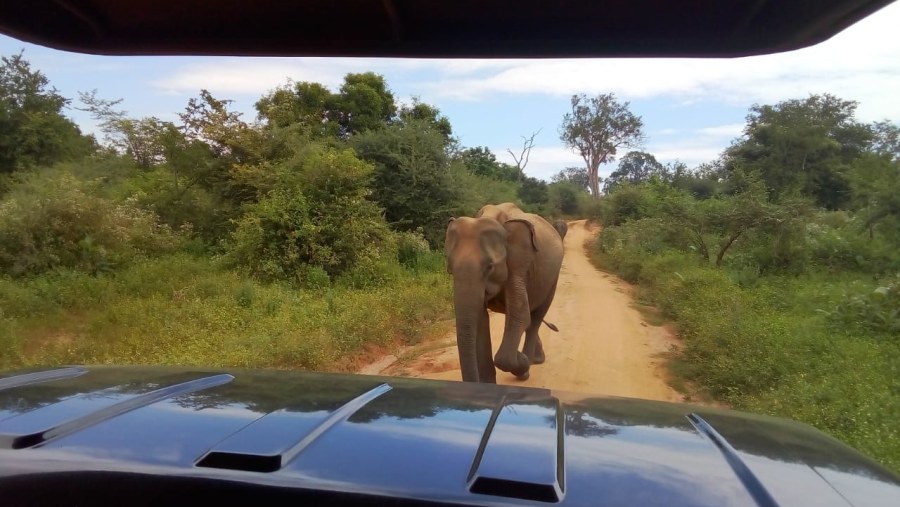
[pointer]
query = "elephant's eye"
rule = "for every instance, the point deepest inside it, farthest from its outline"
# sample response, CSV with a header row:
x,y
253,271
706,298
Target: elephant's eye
x,y
488,268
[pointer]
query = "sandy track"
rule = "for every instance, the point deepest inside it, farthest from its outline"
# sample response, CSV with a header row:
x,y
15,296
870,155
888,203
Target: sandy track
x,y
604,346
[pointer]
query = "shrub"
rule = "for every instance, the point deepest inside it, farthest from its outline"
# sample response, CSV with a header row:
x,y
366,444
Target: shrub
x,y
318,214
412,247
49,223
629,202
877,311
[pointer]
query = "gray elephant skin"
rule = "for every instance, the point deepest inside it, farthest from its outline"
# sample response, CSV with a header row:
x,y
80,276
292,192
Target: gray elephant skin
x,y
561,227
508,261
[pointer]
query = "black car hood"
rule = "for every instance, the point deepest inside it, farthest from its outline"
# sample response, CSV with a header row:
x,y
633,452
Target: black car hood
x,y
81,433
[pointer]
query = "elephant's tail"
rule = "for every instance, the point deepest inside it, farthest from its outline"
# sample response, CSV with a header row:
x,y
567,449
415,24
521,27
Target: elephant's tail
x,y
552,326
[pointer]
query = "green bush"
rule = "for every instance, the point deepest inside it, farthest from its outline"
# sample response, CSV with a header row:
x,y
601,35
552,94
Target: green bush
x,y
412,247
877,311
49,223
630,202
318,214
625,248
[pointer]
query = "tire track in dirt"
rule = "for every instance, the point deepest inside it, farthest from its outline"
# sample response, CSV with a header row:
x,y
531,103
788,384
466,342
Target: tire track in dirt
x,y
604,345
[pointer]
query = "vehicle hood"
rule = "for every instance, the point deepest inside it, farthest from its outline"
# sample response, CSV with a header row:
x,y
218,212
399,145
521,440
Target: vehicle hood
x,y
410,439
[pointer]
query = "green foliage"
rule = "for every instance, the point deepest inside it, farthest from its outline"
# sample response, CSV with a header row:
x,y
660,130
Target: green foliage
x,y
877,311
481,161
318,214
801,147
412,247
33,130
475,191
635,167
364,102
577,176
630,202
767,346
412,180
48,223
186,311
533,194
426,116
565,199
596,128
622,247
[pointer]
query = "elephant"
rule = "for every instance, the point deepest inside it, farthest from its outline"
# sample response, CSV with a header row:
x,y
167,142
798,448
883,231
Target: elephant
x,y
561,227
507,261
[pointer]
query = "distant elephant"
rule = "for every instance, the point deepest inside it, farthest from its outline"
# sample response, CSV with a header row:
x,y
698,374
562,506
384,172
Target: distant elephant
x,y
561,227
507,261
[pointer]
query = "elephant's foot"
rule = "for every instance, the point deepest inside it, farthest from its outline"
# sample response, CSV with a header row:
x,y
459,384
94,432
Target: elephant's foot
x,y
517,363
523,376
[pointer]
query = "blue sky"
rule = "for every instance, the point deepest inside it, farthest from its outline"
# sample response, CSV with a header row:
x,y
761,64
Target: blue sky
x,y
692,108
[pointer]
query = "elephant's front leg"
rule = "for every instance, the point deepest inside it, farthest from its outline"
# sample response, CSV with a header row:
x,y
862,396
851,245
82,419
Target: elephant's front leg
x,y
486,371
518,318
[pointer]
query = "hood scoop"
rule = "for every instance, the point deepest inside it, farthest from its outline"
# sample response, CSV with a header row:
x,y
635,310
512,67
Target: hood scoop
x,y
80,412
271,442
756,489
521,451
40,376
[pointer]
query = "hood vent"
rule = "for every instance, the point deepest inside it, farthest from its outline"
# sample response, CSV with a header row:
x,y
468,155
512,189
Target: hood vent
x,y
20,432
747,478
271,442
521,452
40,376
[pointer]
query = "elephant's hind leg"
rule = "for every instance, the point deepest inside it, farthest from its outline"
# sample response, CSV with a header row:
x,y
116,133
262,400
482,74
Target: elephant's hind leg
x,y
533,348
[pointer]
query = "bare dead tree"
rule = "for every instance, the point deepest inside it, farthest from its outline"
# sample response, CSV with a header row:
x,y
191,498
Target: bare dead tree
x,y
522,158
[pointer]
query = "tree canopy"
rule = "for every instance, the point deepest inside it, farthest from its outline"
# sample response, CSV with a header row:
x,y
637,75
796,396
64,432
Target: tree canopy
x,y
596,128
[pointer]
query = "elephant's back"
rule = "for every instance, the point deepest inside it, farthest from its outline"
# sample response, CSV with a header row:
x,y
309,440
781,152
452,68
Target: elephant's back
x,y
548,238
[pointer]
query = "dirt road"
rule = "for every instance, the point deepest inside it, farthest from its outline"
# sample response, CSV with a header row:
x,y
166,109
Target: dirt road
x,y
604,345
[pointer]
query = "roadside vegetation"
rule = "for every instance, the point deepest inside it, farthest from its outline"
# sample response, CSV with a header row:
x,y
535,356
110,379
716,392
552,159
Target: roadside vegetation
x,y
780,265
300,239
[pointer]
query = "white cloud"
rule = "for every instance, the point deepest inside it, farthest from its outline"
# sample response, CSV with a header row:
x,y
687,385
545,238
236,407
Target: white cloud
x,y
862,63
691,154
730,131
255,76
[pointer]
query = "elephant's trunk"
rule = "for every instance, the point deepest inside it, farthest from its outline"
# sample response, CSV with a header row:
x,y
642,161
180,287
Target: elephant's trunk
x,y
468,297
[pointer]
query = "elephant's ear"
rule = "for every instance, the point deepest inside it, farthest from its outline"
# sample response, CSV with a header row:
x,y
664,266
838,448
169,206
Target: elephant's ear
x,y
530,228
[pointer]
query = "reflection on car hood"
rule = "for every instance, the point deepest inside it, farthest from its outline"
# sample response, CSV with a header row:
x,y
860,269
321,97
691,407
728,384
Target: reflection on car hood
x,y
74,430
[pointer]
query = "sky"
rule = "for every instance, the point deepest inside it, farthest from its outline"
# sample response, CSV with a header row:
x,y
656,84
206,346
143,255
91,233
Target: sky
x,y
691,108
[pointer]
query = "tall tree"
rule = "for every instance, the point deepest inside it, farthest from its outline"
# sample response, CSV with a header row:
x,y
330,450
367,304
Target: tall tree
x,y
429,116
577,176
635,167
596,128
803,147
365,103
33,130
308,104
412,180
481,161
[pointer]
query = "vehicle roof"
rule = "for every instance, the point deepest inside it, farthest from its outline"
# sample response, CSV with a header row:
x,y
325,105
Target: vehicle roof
x,y
433,28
